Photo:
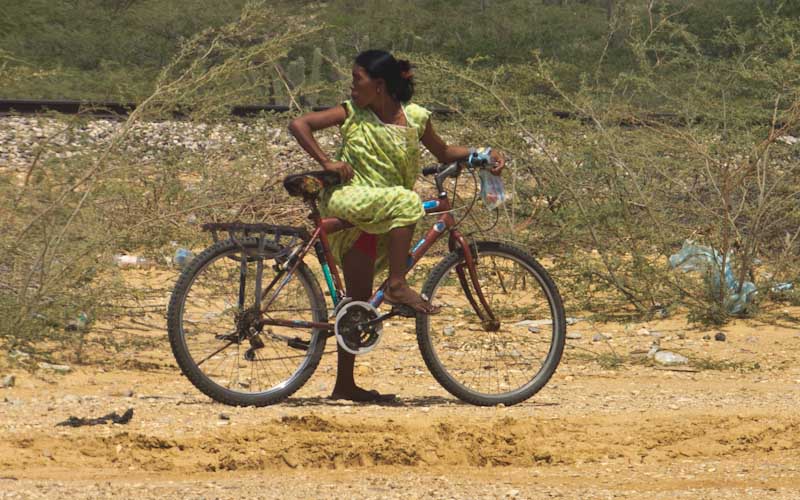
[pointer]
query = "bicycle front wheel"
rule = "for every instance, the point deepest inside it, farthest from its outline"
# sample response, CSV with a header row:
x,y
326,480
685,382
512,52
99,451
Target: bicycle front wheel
x,y
211,317
489,364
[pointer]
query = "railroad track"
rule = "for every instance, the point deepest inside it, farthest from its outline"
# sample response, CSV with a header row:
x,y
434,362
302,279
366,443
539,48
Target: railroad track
x,y
118,110
107,109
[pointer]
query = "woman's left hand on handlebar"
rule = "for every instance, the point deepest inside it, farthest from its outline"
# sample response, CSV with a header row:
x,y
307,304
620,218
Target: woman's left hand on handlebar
x,y
499,161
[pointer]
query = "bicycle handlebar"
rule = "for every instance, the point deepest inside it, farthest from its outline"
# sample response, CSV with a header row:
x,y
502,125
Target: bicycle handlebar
x,y
452,168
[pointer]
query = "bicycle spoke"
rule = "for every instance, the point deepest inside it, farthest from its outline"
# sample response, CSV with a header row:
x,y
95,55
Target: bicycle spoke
x,y
493,362
215,353
219,308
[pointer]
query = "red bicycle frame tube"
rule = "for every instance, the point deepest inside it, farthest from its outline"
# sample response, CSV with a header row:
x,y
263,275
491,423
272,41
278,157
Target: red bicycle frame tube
x,y
330,225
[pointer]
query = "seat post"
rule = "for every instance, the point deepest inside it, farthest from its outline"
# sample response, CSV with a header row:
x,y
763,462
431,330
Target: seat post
x,y
313,216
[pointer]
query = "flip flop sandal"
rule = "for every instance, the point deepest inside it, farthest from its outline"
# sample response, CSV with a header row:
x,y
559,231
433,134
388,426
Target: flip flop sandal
x,y
414,305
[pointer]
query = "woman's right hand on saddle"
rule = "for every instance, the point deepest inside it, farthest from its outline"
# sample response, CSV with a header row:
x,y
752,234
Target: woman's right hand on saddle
x,y
342,168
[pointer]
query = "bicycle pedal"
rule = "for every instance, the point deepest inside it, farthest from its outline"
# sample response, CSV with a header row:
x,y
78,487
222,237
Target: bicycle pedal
x,y
404,311
297,343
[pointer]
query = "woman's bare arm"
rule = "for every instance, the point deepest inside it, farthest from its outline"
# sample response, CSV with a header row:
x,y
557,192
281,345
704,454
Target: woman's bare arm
x,y
447,154
303,128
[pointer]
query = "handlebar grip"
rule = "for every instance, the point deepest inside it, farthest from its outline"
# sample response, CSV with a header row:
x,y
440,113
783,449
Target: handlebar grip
x,y
433,169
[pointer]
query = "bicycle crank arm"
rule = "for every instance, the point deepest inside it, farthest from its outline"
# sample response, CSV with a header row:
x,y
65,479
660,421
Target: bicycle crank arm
x,y
401,310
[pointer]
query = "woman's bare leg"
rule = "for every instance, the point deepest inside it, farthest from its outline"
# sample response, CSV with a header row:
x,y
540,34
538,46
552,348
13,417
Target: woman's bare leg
x,y
398,289
358,270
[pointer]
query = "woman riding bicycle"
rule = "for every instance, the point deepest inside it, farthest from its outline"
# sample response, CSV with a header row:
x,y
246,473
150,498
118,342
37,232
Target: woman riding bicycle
x,y
378,164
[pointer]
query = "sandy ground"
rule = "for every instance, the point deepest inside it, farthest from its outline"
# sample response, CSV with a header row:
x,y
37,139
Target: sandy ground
x,y
728,428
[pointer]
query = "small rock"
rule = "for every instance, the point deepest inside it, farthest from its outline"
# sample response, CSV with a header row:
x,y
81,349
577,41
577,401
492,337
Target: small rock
x,y
534,329
681,335
706,337
224,416
669,358
643,331
599,337
719,337
128,393
751,340
512,493
653,350
574,336
657,335
532,322
56,368
448,331
8,381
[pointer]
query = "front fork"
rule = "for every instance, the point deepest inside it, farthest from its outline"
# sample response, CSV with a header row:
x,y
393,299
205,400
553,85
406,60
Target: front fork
x,y
484,310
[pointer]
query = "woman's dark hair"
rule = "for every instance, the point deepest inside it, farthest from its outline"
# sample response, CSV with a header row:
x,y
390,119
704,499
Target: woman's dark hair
x,y
396,74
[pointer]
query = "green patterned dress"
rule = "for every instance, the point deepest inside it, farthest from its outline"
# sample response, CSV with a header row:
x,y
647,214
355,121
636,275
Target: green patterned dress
x,y
385,161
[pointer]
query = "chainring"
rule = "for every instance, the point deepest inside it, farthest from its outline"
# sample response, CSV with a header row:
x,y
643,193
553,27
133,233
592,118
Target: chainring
x,y
351,334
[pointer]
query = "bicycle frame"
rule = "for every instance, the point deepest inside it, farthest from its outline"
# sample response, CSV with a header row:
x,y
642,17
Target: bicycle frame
x,y
329,225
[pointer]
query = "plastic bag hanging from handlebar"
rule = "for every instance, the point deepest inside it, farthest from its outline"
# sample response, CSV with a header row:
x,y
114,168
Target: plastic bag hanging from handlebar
x,y
493,193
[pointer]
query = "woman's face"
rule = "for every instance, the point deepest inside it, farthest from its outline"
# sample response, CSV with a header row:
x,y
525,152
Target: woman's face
x,y
363,88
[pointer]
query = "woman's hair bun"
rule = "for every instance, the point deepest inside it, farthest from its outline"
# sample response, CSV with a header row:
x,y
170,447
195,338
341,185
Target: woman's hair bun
x,y
396,73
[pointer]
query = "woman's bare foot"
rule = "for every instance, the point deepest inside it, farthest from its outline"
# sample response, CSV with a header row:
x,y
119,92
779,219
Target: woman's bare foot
x,y
360,395
401,293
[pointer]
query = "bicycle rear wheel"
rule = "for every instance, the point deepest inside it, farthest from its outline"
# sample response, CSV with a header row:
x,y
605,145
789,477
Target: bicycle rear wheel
x,y
486,364
209,321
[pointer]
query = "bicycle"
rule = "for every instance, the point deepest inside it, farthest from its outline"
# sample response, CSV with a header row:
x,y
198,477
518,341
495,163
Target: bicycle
x,y
498,340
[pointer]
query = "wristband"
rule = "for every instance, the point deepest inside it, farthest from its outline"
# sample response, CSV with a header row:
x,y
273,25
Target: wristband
x,y
478,157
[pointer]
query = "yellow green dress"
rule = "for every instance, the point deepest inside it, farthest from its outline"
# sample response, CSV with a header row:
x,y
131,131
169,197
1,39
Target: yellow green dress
x,y
380,196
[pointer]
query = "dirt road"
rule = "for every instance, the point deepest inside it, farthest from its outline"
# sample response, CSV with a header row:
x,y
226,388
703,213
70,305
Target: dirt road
x,y
608,425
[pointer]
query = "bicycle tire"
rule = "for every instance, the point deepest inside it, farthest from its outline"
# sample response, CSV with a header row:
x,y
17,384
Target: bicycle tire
x,y
427,344
189,366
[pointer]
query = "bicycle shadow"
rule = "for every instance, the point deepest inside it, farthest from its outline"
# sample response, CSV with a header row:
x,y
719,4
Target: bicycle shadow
x,y
400,402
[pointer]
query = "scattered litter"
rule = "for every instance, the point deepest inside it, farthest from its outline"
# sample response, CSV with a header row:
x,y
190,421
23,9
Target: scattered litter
x,y
789,139
130,261
112,417
56,368
782,287
79,323
182,257
670,358
574,336
693,257
448,331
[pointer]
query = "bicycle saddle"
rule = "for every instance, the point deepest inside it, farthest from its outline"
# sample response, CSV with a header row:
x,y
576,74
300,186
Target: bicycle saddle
x,y
309,184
